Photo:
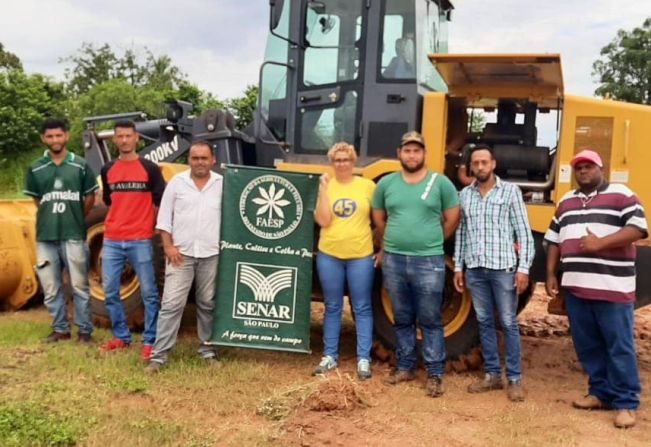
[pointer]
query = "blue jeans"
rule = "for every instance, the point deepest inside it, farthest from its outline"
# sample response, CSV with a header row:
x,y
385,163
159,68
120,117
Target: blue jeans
x,y
52,257
602,333
333,274
495,290
139,254
415,285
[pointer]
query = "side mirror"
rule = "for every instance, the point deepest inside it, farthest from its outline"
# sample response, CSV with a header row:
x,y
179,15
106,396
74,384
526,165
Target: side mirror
x,y
275,12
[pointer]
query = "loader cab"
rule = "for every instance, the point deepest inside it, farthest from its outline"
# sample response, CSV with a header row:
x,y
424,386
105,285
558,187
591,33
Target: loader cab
x,y
513,103
346,70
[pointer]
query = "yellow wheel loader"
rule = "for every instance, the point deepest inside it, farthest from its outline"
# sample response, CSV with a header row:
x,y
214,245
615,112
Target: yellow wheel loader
x,y
365,72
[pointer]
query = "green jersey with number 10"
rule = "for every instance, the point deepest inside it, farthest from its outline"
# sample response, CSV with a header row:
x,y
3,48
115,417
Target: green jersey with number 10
x,y
61,190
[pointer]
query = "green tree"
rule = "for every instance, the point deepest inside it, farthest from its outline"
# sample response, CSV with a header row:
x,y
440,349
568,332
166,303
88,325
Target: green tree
x,y
101,82
25,101
624,69
9,60
477,120
200,99
91,65
242,107
110,97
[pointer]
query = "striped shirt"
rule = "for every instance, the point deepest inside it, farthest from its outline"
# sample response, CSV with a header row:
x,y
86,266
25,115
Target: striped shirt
x,y
489,228
608,275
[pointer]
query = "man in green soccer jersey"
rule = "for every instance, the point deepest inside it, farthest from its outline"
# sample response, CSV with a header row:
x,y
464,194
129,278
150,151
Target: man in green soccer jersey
x,y
62,186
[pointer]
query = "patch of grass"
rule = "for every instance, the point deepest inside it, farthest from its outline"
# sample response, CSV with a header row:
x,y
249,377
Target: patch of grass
x,y
33,424
188,404
129,384
12,173
280,405
21,333
155,431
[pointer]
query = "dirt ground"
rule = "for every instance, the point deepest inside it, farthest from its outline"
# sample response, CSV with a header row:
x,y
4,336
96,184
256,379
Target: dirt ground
x,y
342,411
269,398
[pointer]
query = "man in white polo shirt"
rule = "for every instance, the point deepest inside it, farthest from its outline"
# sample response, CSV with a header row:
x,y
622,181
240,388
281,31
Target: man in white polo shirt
x,y
189,219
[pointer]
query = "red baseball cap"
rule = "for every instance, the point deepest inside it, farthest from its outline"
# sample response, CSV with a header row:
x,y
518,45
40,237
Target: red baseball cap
x,y
587,155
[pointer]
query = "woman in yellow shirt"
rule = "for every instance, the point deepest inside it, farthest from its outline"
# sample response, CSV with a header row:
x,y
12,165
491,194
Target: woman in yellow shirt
x,y
345,256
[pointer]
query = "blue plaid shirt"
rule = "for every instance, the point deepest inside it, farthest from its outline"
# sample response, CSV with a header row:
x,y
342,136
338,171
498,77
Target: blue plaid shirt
x,y
489,228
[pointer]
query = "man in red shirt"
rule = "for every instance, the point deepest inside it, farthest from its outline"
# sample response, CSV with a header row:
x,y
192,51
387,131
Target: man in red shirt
x,y
133,188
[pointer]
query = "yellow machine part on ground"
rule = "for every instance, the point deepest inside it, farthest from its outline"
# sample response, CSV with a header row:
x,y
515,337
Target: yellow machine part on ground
x,y
18,282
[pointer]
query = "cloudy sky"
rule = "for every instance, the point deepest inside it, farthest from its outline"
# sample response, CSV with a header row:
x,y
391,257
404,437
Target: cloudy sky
x,y
220,43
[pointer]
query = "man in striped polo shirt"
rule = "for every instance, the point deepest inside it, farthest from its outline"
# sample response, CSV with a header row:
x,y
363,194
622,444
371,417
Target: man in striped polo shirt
x,y
592,234
63,188
493,219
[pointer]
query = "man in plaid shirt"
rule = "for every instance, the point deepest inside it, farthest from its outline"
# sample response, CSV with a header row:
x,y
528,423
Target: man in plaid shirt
x,y
493,219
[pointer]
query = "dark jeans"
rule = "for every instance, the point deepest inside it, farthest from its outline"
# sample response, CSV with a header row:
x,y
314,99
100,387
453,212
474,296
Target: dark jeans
x,y
491,290
602,333
415,285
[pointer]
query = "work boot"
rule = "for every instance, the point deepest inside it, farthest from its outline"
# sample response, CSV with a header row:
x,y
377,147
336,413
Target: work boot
x,y
625,418
434,386
398,376
56,336
153,368
589,402
84,338
515,391
488,383
363,369
326,364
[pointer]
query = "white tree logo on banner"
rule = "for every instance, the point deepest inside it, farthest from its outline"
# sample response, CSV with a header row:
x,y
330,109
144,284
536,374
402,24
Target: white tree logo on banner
x,y
271,201
271,207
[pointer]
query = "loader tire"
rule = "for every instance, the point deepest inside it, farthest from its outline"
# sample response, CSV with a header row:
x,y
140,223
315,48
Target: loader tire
x,y
460,324
129,284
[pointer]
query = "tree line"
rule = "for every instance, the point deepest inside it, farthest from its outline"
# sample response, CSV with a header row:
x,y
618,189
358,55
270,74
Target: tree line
x,y
97,81
100,81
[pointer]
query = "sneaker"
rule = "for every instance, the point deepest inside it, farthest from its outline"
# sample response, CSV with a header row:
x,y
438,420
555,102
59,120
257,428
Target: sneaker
x,y
84,338
213,362
327,364
363,369
153,367
488,383
113,344
434,386
589,402
625,418
398,376
145,354
515,391
56,336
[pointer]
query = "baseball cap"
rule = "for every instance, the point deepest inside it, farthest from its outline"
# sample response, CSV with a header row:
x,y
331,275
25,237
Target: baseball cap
x,y
587,155
412,137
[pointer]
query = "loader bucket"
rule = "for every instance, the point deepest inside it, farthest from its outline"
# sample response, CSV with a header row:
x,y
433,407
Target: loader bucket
x,y
18,283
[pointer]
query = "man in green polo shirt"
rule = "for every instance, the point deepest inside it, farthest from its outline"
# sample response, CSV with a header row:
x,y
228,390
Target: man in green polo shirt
x,y
62,186
415,210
